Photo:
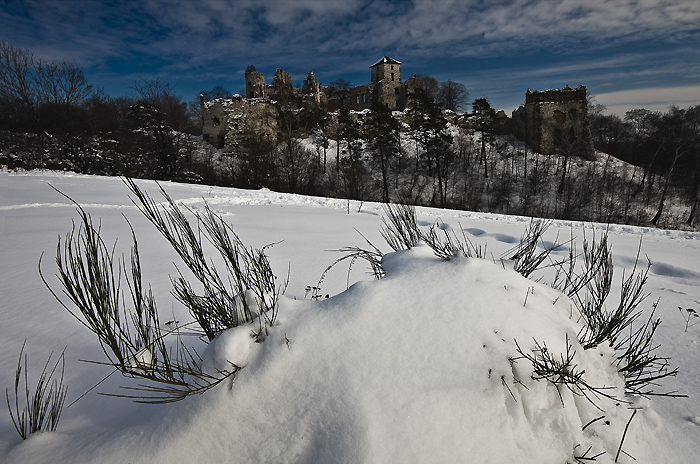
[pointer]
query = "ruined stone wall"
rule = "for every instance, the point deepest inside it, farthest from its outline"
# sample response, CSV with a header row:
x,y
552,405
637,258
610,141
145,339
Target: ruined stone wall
x,y
407,92
255,85
564,126
564,95
254,120
311,90
214,120
282,88
231,123
360,97
555,122
388,94
526,125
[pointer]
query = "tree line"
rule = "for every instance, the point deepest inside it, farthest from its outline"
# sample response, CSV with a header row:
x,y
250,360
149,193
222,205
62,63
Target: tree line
x,y
665,146
51,116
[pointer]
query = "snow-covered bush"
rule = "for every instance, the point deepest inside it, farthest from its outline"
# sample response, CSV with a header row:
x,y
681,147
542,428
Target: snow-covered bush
x,y
247,272
92,280
589,287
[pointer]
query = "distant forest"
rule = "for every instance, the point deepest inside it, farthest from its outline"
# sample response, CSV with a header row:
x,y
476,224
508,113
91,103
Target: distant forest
x,y
51,117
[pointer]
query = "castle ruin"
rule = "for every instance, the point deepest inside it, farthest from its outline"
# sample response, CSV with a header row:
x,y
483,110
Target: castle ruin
x,y
555,122
225,121
551,122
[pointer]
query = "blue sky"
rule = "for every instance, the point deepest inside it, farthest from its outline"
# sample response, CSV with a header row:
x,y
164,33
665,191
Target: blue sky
x,y
629,53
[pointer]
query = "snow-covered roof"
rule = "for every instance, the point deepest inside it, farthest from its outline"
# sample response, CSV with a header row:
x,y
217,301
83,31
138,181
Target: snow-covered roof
x,y
386,59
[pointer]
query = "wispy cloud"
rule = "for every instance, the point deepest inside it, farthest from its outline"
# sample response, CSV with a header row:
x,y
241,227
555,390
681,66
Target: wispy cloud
x,y
186,39
455,27
656,99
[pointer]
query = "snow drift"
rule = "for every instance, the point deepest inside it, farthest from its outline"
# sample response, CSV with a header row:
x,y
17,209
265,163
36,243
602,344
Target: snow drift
x,y
425,365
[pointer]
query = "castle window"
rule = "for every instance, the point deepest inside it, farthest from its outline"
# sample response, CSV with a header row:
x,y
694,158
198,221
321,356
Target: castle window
x,y
396,90
392,76
216,121
559,117
392,67
364,98
358,99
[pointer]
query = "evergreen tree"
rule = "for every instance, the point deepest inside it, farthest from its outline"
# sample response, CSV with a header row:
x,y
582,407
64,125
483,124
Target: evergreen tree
x,y
437,157
484,117
351,169
383,138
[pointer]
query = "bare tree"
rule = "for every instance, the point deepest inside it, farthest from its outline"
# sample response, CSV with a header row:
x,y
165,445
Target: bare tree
x,y
609,132
63,83
341,84
452,95
642,123
34,91
153,91
341,87
63,90
160,95
678,135
18,80
430,85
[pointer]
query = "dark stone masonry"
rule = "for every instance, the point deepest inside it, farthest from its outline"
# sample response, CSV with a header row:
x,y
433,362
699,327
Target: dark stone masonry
x,y
555,122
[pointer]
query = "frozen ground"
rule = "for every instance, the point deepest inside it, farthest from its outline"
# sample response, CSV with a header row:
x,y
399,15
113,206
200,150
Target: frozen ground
x,y
411,368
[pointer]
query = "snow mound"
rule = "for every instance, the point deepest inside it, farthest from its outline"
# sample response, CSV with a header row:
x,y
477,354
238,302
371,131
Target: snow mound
x,y
420,366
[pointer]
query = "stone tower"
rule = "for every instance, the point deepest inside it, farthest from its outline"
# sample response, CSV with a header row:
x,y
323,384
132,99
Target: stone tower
x,y
386,78
311,89
254,83
555,122
282,88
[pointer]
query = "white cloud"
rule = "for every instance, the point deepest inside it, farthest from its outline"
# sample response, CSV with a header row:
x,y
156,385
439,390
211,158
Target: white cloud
x,y
423,27
344,36
655,99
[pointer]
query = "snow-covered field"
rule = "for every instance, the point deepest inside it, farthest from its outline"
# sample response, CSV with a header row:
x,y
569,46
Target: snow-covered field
x,y
412,368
